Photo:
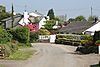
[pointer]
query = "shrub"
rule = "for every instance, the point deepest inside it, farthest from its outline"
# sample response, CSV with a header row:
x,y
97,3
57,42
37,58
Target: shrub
x,y
34,37
87,49
97,42
5,36
43,32
96,36
49,24
21,34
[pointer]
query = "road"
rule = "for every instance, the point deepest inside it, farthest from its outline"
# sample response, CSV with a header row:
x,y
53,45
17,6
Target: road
x,y
51,55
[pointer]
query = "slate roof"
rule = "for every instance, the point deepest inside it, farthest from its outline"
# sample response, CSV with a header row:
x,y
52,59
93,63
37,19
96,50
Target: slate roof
x,y
76,27
8,21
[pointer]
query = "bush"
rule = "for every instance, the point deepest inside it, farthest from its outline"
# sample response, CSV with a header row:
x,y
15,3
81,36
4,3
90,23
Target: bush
x,y
96,36
49,24
43,32
34,37
87,49
21,34
5,36
97,42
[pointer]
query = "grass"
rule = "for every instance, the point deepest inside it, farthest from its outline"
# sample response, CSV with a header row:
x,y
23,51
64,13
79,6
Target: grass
x,y
1,65
21,54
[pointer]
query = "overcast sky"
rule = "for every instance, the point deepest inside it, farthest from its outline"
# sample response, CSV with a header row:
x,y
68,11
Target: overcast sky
x,y
72,8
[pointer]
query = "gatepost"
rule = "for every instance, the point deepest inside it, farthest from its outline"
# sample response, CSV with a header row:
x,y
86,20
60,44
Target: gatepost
x,y
52,38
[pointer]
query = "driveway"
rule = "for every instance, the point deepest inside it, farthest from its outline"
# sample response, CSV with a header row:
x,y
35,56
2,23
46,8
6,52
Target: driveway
x,y
52,55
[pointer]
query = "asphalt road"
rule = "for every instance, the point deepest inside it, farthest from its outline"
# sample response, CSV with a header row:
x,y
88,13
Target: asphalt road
x,y
51,55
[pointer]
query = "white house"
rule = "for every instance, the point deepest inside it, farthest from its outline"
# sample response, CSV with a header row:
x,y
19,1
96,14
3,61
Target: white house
x,y
25,19
92,29
31,16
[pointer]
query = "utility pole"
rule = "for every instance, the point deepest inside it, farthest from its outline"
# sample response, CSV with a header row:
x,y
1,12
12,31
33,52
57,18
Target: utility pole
x,y
25,7
91,11
12,15
65,17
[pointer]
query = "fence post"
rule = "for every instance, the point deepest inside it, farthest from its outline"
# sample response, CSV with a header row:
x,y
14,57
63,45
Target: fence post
x,y
99,49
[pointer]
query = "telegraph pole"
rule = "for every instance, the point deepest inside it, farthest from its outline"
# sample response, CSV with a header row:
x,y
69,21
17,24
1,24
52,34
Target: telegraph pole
x,y
65,17
91,11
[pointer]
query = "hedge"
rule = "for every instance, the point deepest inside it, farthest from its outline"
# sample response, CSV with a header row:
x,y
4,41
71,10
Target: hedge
x,y
74,40
21,34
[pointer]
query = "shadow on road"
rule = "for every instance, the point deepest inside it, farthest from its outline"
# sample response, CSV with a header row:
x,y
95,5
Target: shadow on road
x,y
96,65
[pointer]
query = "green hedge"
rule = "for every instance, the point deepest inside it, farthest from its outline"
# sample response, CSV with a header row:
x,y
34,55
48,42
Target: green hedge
x,y
21,34
74,39
60,41
87,42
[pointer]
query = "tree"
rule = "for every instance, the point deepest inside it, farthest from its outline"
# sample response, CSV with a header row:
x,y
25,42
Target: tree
x,y
2,9
51,14
3,13
43,32
92,18
49,24
57,19
71,20
80,18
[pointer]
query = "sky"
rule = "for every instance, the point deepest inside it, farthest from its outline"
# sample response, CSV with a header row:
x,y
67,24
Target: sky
x,y
71,8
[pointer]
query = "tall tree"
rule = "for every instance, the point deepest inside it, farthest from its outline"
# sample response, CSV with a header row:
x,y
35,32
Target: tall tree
x,y
51,14
12,15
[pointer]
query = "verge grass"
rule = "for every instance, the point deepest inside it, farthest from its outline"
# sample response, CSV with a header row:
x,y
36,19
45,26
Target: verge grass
x,y
21,54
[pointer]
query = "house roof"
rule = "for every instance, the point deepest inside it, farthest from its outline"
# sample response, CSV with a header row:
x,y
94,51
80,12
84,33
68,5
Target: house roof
x,y
76,27
35,14
9,20
94,28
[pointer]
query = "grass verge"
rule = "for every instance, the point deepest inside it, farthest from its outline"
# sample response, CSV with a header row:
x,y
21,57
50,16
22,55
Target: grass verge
x,y
21,54
1,65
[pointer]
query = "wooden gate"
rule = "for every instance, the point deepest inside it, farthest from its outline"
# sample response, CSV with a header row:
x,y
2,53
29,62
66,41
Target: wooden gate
x,y
44,38
47,38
